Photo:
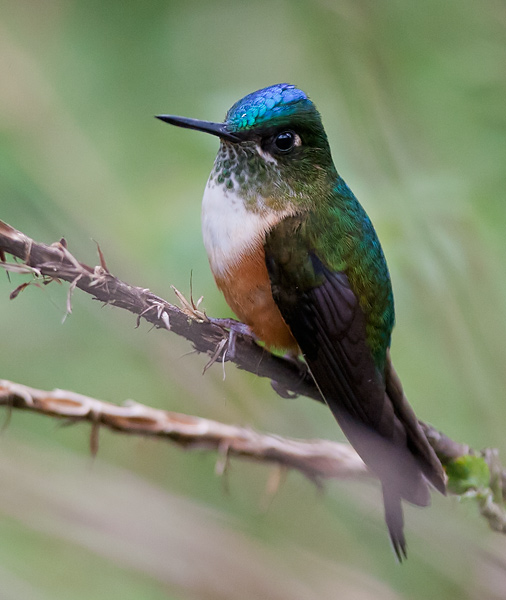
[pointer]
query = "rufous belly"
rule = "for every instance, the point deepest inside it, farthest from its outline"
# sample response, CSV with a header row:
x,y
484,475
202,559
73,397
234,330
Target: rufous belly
x,y
247,290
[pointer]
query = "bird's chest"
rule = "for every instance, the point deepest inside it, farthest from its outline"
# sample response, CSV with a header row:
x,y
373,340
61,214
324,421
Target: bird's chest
x,y
234,240
229,228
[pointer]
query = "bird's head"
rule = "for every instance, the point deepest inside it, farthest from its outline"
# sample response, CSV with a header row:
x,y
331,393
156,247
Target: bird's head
x,y
273,148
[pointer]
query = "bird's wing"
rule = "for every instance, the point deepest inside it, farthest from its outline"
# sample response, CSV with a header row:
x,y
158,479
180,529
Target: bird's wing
x,y
327,321
329,325
325,317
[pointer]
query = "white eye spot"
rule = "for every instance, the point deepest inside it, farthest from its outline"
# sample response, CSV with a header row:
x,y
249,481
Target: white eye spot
x,y
265,155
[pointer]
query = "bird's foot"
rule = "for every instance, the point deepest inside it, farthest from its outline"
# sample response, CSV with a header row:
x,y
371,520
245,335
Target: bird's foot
x,y
235,328
302,369
232,325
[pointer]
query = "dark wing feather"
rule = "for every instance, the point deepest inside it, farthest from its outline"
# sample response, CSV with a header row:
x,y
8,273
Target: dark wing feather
x,y
329,325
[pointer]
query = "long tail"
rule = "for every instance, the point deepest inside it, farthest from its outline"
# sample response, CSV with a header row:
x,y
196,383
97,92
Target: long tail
x,y
417,443
429,467
405,463
395,521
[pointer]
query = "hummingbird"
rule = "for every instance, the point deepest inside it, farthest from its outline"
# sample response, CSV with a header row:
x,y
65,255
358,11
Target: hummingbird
x,y
299,262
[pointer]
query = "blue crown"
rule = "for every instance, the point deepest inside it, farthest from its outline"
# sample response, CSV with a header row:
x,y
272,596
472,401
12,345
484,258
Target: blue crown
x,y
280,100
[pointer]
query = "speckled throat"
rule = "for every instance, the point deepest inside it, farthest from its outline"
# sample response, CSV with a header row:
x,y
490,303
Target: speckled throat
x,y
251,174
245,196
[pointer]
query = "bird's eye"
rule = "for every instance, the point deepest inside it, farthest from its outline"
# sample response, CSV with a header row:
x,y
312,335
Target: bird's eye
x,y
286,141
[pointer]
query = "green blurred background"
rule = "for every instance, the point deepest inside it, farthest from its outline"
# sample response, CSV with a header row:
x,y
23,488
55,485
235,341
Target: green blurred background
x,y
413,97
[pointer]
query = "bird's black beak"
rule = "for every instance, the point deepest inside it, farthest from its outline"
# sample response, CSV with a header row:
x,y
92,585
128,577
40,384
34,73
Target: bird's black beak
x,y
218,129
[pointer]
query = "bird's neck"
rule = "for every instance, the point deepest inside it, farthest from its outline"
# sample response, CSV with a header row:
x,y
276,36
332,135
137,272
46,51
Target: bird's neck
x,y
233,228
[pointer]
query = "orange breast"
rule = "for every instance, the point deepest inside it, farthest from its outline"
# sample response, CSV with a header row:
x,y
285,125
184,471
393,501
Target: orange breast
x,y
247,290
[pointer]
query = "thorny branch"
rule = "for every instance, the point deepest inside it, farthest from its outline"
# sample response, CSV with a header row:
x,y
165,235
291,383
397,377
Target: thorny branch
x,y
316,459
54,262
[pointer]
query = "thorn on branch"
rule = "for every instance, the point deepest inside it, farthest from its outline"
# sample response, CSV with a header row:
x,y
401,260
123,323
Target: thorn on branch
x,y
160,309
101,258
28,251
8,417
219,349
165,319
20,269
277,477
72,287
94,435
15,293
222,461
190,308
222,466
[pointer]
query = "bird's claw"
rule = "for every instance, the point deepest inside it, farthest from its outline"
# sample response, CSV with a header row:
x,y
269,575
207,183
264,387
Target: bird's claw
x,y
234,328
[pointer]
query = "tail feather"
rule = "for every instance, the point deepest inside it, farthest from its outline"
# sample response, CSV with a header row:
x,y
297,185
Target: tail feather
x,y
394,518
417,443
405,463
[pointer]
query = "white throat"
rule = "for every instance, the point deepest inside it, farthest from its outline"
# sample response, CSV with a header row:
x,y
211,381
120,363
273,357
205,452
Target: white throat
x,y
229,229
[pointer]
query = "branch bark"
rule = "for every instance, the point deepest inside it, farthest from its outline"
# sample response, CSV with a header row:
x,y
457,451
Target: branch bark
x,y
316,459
